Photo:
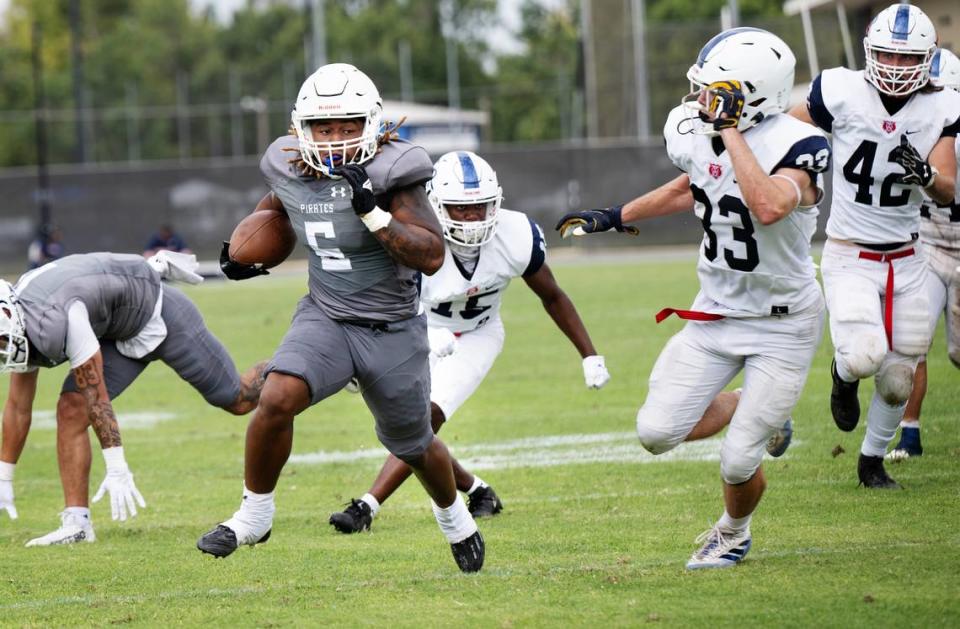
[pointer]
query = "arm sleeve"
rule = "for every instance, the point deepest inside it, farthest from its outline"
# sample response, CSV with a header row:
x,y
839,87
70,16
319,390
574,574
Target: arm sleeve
x,y
818,109
538,251
82,342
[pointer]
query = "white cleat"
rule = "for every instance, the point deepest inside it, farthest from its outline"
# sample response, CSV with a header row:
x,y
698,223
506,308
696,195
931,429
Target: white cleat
x,y
720,549
73,529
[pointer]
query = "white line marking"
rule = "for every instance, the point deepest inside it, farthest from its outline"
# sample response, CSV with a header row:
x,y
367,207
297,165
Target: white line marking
x,y
47,420
548,451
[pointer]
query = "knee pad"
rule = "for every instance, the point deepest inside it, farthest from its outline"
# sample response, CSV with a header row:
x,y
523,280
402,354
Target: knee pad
x,y
736,468
894,383
652,437
865,356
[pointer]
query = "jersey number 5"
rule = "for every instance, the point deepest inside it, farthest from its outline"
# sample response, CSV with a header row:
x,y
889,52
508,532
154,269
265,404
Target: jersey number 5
x,y
863,158
331,258
744,234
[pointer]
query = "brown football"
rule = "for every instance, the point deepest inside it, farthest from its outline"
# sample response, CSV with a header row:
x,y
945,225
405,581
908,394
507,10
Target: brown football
x,y
265,237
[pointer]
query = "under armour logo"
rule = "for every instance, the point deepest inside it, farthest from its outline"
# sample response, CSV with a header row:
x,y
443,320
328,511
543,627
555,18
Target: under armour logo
x,y
338,192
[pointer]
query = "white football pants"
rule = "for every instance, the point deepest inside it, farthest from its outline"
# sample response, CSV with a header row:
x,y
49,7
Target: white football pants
x,y
774,354
454,378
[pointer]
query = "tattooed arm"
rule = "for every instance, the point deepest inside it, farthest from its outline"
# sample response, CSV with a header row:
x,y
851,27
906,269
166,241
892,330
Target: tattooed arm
x,y
414,237
91,385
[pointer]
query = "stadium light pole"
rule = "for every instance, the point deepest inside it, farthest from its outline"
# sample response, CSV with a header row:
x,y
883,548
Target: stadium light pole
x,y
638,9
447,12
319,28
406,71
79,93
40,128
589,69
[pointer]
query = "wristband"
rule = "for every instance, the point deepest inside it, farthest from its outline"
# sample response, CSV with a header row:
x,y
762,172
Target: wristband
x,y
933,177
376,219
796,187
113,457
6,470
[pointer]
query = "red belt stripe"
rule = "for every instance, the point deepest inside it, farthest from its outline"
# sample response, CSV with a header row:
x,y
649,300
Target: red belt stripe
x,y
888,297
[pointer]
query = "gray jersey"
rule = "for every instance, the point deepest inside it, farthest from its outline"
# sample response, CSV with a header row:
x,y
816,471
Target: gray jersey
x,y
351,275
120,293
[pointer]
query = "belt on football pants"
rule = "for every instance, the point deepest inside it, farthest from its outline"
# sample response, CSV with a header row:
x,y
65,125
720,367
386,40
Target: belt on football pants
x,y
689,315
888,297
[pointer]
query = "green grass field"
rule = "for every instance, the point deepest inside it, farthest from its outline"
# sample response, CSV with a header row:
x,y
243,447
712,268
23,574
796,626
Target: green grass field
x,y
594,532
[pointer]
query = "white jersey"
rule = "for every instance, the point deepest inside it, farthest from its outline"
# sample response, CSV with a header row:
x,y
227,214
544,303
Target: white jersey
x,y
940,226
461,301
747,269
868,207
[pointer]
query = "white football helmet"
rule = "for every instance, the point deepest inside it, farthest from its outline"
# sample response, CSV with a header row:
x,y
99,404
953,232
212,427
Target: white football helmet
x,y
465,178
14,348
758,59
337,90
945,70
902,29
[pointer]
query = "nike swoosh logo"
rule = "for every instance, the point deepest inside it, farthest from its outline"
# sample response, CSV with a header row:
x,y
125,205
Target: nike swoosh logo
x,y
912,132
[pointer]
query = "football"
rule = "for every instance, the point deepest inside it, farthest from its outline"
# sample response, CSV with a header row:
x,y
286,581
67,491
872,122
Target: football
x,y
265,237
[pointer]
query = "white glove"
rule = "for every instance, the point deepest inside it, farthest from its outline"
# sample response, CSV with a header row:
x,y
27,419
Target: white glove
x,y
442,341
176,266
595,373
119,482
6,489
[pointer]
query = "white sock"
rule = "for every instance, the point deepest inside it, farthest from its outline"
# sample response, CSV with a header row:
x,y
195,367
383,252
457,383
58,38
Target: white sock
x,y
455,521
733,525
372,502
882,422
79,513
477,484
910,423
843,373
254,517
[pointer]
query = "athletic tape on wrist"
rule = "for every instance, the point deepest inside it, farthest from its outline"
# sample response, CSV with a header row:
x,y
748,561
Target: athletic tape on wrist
x,y
6,470
376,219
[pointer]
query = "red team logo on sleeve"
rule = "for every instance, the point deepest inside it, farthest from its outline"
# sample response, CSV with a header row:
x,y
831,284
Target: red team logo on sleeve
x,y
715,171
889,126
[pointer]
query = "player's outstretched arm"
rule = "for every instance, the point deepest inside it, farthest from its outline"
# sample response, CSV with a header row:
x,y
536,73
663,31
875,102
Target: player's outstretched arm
x,y
17,415
561,309
409,230
124,495
670,198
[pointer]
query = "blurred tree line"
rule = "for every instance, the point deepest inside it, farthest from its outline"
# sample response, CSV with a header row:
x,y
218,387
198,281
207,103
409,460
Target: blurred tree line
x,y
157,71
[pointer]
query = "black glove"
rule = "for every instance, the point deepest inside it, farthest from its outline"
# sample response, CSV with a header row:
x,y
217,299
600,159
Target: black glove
x,y
726,104
356,175
919,172
592,221
238,270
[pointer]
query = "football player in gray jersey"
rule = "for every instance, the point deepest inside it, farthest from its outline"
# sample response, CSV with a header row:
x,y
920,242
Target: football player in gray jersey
x,y
109,315
359,318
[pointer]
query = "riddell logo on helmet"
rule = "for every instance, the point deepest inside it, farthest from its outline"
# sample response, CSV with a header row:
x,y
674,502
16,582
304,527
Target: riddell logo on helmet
x,y
889,126
715,171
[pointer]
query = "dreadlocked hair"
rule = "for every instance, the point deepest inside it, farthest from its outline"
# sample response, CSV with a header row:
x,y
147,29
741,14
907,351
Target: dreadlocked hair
x,y
389,135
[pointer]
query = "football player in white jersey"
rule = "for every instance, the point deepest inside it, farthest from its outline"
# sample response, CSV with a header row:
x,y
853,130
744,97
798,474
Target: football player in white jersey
x,y
487,246
940,235
893,140
750,174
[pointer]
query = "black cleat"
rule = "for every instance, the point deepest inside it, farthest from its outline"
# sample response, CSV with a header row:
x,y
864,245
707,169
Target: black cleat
x,y
873,475
844,403
354,519
469,553
222,541
484,503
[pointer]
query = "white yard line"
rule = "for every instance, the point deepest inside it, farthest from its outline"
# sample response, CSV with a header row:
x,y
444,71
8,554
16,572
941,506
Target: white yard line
x,y
47,420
